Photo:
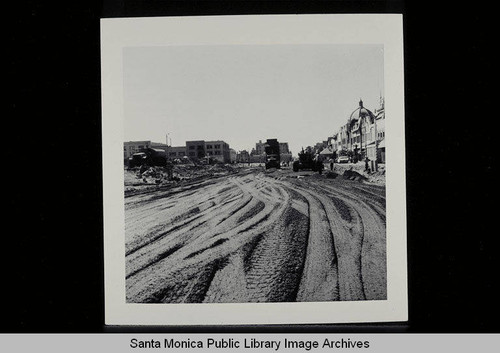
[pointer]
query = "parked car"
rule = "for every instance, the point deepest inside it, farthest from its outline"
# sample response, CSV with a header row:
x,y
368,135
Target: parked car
x,y
342,159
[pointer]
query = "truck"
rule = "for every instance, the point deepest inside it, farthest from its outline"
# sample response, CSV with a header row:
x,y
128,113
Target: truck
x,y
307,161
272,149
148,156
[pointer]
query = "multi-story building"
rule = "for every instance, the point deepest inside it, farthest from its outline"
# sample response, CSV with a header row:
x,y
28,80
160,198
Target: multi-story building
x,y
360,127
218,150
379,132
195,149
343,140
260,148
258,154
285,153
284,147
176,151
131,147
368,132
333,142
198,149
243,157
159,146
363,134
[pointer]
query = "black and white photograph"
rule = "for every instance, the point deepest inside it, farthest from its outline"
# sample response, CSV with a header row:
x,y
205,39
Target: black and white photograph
x,y
232,175
254,173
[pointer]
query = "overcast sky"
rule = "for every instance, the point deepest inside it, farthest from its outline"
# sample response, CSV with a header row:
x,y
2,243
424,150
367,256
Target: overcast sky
x,y
299,94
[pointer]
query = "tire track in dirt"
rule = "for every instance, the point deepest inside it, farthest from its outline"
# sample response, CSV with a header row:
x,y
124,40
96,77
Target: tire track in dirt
x,y
155,213
264,238
275,266
269,266
320,276
346,230
373,247
177,237
151,276
171,222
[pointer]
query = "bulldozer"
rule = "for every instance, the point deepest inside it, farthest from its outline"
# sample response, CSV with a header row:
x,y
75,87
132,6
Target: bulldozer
x,y
307,161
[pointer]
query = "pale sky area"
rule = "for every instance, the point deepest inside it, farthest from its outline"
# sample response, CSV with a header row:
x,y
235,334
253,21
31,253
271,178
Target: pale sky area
x,y
299,94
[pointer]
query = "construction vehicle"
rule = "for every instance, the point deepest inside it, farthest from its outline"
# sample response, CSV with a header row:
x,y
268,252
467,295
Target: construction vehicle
x,y
148,156
272,149
307,161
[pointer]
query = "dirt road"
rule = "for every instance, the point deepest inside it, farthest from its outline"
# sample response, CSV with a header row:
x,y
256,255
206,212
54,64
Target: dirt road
x,y
257,236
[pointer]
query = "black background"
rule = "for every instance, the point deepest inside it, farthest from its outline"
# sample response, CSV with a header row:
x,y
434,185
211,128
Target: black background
x,y
52,247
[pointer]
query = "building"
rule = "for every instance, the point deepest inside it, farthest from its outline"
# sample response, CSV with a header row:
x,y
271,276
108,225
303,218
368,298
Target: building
x,y
327,153
285,153
360,130
258,154
176,151
343,141
218,150
159,146
332,143
260,148
257,158
243,157
380,131
131,147
195,149
232,155
363,135
284,147
373,134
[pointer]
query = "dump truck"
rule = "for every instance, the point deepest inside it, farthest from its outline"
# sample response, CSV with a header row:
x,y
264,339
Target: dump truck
x,y
148,156
307,161
272,149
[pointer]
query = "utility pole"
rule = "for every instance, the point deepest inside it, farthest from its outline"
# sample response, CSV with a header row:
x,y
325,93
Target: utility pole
x,y
169,165
168,147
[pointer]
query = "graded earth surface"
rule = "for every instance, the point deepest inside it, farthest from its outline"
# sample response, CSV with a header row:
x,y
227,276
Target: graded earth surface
x,y
250,235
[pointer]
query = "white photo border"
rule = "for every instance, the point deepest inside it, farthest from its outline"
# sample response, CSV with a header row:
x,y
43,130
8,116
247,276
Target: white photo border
x,y
116,34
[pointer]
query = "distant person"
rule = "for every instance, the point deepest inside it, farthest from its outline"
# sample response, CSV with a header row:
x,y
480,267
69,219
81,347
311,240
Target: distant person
x,y
331,163
367,166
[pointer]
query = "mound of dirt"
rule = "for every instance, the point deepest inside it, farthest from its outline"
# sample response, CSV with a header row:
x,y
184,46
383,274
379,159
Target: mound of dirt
x,y
331,175
377,177
147,178
352,175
